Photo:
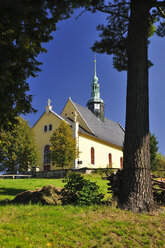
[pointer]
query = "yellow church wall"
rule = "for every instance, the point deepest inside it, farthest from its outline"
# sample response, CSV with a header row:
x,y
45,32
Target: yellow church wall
x,y
101,153
43,138
69,111
85,143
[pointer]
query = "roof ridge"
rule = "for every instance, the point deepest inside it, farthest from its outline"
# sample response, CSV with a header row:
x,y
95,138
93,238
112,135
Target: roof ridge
x,y
121,126
59,116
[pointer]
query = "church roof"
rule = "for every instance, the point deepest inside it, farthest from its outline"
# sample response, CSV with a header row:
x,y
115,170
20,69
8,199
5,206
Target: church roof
x,y
108,130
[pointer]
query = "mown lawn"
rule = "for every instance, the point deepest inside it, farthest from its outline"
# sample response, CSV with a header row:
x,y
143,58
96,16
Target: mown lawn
x,y
72,226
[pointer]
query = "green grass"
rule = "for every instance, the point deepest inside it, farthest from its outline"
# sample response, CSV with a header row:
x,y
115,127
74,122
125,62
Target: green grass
x,y
10,187
73,226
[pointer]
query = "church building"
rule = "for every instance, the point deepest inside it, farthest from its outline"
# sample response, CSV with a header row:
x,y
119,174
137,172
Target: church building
x,y
99,140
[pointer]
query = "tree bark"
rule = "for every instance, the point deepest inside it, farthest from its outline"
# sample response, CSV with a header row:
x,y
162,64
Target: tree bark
x,y
136,192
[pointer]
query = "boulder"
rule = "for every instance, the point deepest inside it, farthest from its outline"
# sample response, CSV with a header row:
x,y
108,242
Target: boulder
x,y
48,195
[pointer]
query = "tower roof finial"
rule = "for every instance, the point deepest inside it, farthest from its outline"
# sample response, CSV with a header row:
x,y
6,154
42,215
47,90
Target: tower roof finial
x,y
95,58
95,78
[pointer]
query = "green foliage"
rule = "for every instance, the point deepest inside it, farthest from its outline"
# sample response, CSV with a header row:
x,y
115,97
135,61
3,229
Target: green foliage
x,y
84,191
18,149
114,34
153,152
74,182
160,161
89,194
157,159
25,26
63,145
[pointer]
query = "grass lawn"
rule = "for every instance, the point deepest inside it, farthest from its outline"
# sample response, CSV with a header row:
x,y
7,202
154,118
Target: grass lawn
x,y
25,226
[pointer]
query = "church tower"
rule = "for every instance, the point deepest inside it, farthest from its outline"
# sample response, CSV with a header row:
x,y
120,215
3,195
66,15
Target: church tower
x,y
95,103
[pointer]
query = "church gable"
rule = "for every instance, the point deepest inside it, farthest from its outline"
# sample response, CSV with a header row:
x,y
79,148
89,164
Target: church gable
x,y
69,112
44,128
47,123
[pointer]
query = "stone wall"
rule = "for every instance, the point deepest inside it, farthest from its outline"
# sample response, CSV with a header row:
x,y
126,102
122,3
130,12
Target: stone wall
x,y
51,174
62,173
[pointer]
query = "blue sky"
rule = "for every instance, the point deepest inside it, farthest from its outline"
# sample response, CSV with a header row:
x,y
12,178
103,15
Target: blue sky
x,y
67,71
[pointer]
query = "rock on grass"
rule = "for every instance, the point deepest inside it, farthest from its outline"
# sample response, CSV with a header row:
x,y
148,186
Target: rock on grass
x,y
48,195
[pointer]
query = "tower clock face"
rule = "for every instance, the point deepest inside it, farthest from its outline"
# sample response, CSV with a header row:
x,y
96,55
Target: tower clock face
x,y
97,106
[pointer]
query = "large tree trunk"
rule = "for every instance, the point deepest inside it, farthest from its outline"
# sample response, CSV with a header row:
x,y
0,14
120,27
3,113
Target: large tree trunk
x,y
136,193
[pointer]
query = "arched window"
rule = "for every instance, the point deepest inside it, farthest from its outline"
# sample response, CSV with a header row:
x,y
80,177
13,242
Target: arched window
x,y
121,163
50,127
46,155
45,128
110,160
92,155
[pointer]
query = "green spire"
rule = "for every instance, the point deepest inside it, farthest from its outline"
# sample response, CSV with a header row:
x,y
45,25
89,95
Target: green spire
x,y
95,87
95,103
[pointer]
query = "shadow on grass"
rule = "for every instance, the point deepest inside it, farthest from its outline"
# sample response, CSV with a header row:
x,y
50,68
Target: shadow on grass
x,y
9,192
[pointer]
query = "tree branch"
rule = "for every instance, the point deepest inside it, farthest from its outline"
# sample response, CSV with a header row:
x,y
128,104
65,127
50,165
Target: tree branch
x,y
124,32
82,12
116,5
110,12
106,9
161,12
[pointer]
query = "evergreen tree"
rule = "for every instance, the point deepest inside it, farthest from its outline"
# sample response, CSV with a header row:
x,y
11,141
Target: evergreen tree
x,y
18,149
63,145
153,152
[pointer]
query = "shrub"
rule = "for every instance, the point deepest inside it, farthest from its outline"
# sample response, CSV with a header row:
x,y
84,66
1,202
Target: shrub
x,y
83,191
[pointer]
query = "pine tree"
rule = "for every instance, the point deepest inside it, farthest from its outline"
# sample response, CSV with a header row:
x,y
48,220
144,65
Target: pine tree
x,y
63,146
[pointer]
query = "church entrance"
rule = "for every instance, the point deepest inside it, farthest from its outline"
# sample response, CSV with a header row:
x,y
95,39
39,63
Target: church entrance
x,y
47,167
